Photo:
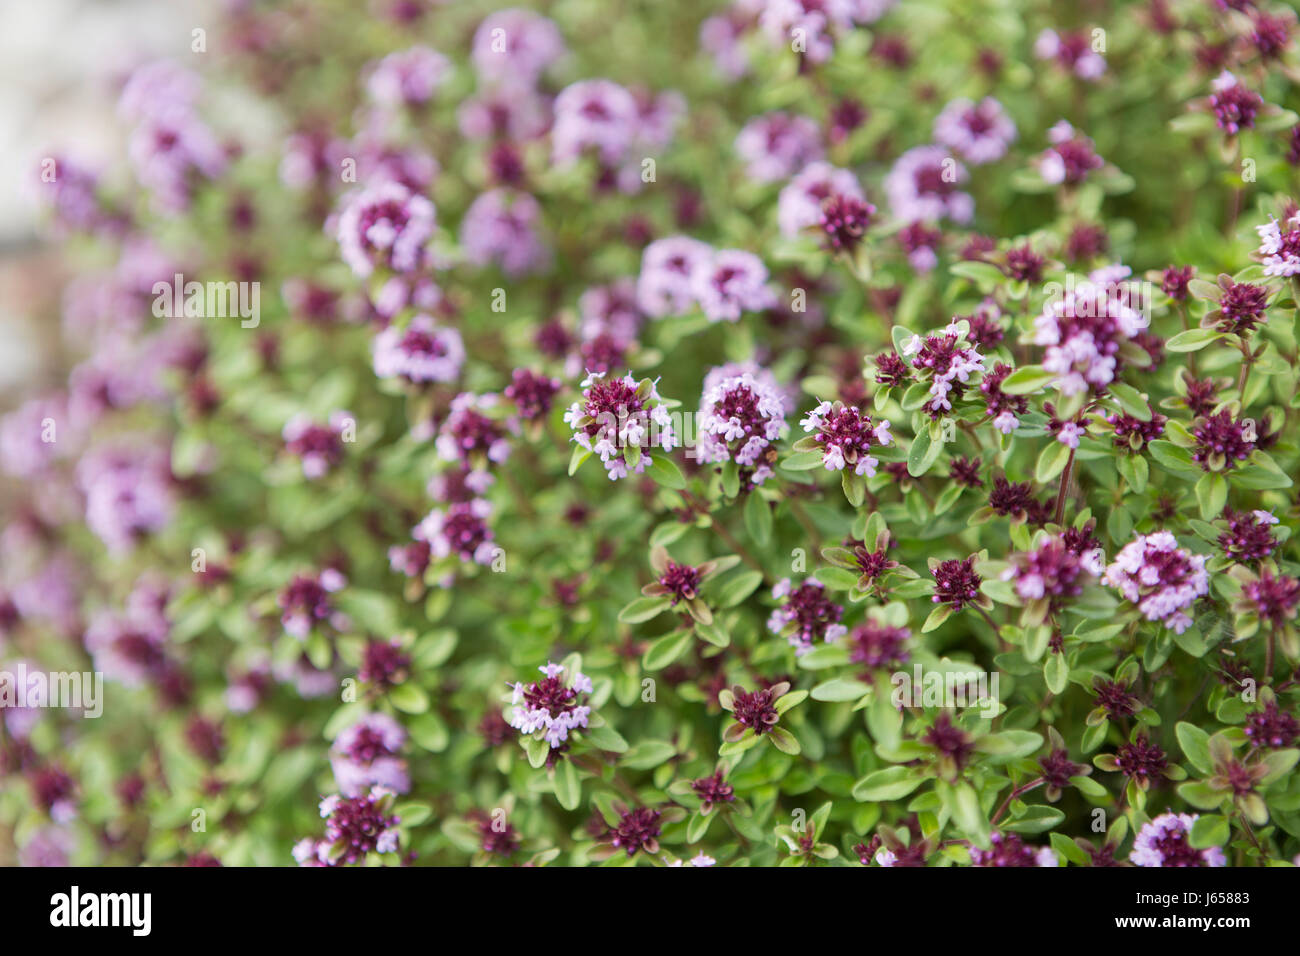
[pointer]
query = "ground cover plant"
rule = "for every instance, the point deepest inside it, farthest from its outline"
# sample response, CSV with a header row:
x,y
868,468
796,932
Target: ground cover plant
x,y
662,433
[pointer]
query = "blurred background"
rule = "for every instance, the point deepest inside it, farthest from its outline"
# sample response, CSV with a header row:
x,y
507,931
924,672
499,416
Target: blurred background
x,y
60,64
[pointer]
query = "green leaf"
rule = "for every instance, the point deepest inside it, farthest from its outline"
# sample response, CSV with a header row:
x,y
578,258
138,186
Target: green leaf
x,y
758,518
1193,340
892,783
666,650
665,471
802,461
568,789
1131,401
1209,830
1027,379
1051,462
965,809
841,689
606,737
409,698
648,754
644,609
579,455
737,588
918,456
837,579
1010,744
1036,819
1211,494
1056,672
1196,746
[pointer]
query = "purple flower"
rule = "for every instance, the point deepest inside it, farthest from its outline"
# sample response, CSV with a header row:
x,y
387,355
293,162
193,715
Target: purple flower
x,y
553,706
978,132
1175,279
775,146
1132,434
754,710
1166,841
468,435
128,492
956,583
845,221
72,196
1053,572
713,791
366,754
354,827
1271,727
922,186
460,529
877,645
611,309
1072,51
1005,410
637,830
948,360
1234,106
664,286
806,615
514,47
966,472
319,446
845,435
504,227
1162,579
1241,306
596,115
419,352
1249,537
1280,251
1221,441
385,225
799,206
29,436
721,37
1273,598
1007,849
384,664
740,417
305,603
531,393
616,414
504,113
408,77
1084,328
1069,158
731,282
129,648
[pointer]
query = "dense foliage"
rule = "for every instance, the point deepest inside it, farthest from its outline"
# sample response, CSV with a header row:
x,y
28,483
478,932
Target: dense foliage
x,y
649,416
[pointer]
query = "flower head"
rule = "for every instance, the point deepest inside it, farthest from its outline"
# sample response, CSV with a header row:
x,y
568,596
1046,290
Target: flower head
x,y
1162,579
1166,841
619,419
553,706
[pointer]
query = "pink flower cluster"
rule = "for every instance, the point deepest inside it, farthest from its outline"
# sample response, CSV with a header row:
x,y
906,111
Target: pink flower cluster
x,y
741,414
1084,328
948,359
1166,841
1162,579
615,414
846,435
679,272
552,705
